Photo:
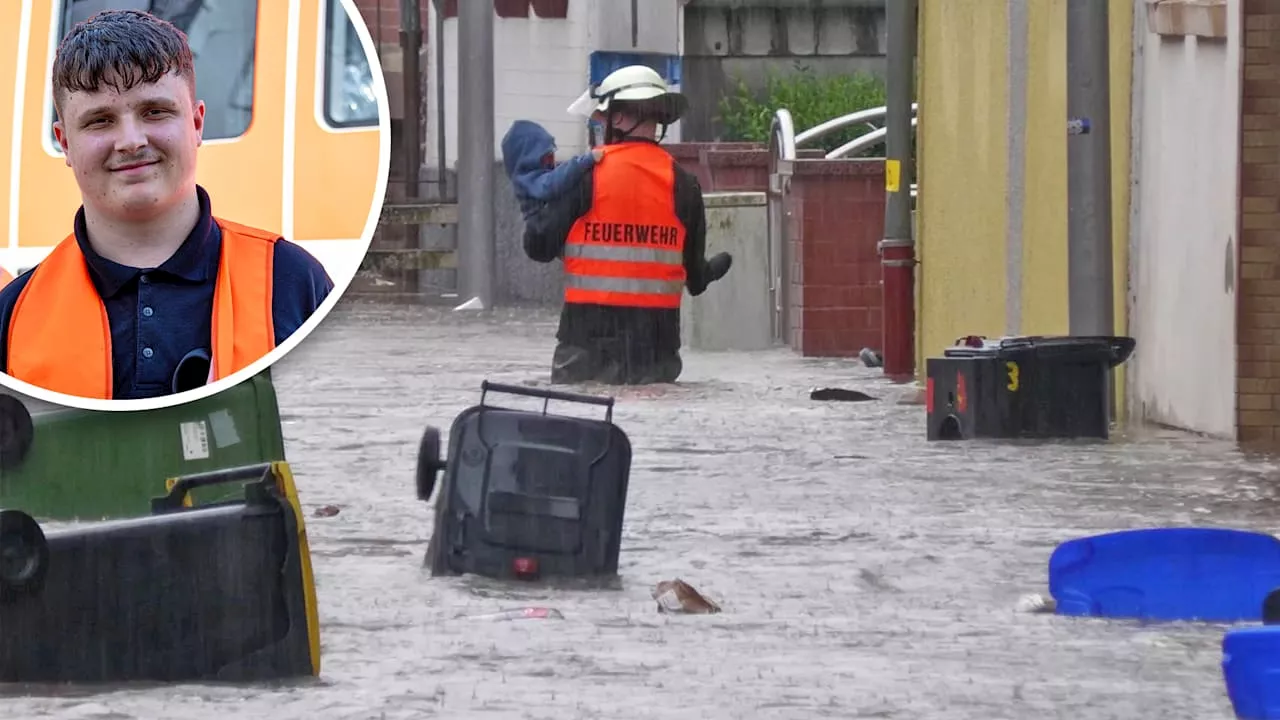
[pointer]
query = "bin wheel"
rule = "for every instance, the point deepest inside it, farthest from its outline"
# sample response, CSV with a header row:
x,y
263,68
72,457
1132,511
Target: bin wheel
x,y
26,555
16,432
429,462
1271,608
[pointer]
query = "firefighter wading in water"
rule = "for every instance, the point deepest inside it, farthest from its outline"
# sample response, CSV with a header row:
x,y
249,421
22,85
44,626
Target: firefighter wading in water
x,y
632,235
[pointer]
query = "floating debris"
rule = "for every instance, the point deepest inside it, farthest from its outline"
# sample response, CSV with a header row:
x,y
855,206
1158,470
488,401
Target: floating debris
x,y
327,511
839,395
678,596
1036,603
529,613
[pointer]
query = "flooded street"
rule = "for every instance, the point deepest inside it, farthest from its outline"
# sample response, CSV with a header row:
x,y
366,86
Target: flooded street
x,y
863,572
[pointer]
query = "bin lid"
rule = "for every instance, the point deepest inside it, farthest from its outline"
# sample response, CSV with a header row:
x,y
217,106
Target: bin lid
x,y
1181,573
1113,350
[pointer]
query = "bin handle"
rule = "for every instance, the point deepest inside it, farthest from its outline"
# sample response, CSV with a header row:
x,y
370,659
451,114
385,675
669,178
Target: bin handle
x,y
547,396
177,495
1121,349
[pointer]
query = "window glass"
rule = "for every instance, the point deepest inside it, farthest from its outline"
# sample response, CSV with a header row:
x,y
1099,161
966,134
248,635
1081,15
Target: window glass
x,y
222,35
349,99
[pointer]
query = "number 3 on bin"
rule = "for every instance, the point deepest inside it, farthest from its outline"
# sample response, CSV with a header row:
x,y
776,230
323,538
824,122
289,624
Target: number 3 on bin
x,y
1013,376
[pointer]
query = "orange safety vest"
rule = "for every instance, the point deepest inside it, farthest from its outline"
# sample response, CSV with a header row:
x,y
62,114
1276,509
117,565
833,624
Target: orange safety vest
x,y
628,249
60,338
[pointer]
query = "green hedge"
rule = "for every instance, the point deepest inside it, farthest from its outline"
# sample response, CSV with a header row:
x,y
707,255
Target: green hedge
x,y
812,99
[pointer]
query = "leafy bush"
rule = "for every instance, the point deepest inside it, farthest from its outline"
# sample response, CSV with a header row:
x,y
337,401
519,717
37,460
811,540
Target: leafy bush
x,y
811,98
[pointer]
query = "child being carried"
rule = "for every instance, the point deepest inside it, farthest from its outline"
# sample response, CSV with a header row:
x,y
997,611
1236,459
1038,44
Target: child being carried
x,y
529,155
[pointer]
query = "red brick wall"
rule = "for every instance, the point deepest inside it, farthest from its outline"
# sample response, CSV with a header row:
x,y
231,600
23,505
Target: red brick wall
x,y
383,19
729,166
835,224
834,227
1258,311
385,26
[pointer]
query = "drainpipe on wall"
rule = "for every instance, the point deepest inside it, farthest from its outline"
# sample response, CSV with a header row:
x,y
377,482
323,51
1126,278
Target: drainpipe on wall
x,y
898,249
411,49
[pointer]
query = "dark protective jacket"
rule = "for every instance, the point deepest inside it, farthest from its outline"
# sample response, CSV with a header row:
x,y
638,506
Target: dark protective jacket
x,y
649,333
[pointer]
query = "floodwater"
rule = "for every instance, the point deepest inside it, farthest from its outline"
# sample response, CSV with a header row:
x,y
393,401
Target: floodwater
x,y
863,572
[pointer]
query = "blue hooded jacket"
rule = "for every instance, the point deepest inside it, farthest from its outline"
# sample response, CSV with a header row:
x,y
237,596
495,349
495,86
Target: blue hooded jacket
x,y
523,149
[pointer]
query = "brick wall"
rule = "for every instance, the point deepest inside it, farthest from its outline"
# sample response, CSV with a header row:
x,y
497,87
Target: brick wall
x,y
729,166
836,221
519,8
383,19
1258,313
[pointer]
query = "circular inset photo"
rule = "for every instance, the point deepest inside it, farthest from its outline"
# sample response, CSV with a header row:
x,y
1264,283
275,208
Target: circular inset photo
x,y
188,192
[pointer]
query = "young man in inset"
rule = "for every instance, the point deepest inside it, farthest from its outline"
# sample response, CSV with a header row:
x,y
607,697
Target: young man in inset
x,y
151,293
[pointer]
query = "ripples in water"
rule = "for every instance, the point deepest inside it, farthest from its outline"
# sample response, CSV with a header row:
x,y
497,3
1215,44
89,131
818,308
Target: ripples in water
x,y
863,572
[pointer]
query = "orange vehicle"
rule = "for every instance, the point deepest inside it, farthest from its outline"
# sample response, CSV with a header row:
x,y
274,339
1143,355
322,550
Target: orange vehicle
x,y
296,140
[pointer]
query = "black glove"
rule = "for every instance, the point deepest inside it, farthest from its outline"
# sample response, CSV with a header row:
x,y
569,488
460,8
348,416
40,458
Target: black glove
x,y
718,266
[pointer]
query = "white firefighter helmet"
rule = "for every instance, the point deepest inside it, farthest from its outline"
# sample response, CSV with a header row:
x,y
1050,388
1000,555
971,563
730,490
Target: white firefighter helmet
x,y
633,83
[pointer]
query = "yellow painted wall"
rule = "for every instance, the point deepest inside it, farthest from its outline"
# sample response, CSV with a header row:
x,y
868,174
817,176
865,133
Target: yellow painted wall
x,y
1044,227
961,145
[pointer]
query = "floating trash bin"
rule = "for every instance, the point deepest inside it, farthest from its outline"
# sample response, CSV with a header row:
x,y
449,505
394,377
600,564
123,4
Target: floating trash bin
x,y
1205,574
1023,387
1251,666
61,463
221,592
527,494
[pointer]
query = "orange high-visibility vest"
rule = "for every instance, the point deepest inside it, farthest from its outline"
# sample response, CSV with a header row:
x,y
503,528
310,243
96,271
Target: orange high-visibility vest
x,y
60,338
628,249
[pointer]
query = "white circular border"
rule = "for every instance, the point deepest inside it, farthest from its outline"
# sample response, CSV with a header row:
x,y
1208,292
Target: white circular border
x,y
340,285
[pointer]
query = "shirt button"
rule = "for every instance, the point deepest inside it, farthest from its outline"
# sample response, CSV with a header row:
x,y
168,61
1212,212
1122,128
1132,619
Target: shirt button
x,y
148,352
148,312
144,279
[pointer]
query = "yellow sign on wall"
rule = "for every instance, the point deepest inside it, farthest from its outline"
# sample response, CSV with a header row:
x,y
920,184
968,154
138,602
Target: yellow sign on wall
x,y
892,172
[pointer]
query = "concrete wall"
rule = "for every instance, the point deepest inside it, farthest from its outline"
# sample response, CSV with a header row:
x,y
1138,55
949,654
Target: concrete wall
x,y
1184,240
747,41
540,66
735,313
992,210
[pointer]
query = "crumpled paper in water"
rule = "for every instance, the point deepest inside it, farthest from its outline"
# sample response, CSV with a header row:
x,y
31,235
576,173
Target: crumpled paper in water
x,y
678,596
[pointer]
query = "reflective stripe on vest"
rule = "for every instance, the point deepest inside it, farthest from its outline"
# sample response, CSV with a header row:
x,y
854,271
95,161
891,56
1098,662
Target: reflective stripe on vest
x,y
60,338
628,249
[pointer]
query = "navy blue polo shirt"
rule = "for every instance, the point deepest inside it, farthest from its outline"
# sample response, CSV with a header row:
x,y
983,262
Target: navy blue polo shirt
x,y
159,315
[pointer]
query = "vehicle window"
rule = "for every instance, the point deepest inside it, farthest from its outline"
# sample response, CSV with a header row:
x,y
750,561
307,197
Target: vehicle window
x,y
222,35
349,99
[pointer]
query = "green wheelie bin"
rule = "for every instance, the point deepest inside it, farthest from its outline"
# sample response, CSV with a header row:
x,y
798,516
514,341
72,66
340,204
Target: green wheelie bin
x,y
66,464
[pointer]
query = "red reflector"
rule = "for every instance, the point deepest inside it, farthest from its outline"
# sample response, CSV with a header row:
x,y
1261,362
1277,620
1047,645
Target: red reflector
x,y
525,566
928,395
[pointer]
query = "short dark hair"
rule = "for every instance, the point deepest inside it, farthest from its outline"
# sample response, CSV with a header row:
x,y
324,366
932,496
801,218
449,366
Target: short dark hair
x,y
120,49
